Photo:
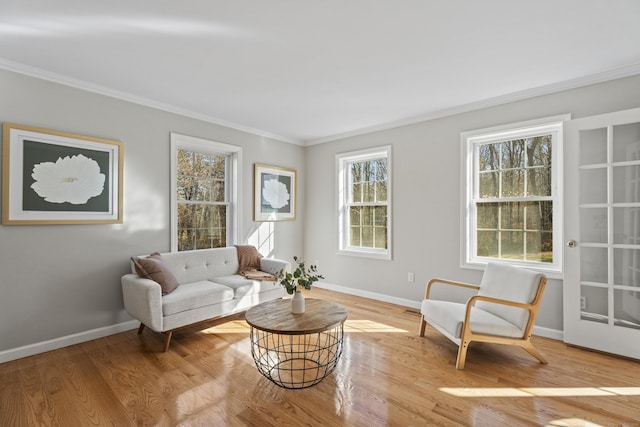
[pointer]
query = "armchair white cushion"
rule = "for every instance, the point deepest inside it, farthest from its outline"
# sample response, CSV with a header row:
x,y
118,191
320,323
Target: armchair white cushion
x,y
502,311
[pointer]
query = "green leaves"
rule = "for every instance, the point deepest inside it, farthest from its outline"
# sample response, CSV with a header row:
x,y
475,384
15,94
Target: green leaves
x,y
302,276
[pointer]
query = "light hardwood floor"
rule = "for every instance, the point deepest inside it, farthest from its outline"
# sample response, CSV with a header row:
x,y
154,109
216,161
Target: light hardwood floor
x,y
388,376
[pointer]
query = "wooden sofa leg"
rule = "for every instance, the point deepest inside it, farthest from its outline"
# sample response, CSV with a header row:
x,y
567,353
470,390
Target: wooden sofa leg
x,y
167,339
140,328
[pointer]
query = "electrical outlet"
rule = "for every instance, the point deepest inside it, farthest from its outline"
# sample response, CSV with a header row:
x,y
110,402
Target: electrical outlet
x,y
583,303
411,277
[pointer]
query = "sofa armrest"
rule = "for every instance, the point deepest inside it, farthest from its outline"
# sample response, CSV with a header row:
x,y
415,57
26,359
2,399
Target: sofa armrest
x,y
143,300
274,266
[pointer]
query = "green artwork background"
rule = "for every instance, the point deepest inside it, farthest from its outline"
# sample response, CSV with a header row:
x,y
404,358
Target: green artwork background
x,y
265,207
37,152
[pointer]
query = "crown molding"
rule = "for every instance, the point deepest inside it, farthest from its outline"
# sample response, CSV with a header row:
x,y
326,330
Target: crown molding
x,y
39,73
602,77
103,90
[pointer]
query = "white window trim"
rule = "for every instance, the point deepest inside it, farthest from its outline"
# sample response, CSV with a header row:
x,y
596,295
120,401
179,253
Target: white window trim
x,y
467,219
343,218
179,141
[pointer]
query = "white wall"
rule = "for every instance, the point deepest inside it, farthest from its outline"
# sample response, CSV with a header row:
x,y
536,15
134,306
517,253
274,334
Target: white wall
x,y
426,196
61,280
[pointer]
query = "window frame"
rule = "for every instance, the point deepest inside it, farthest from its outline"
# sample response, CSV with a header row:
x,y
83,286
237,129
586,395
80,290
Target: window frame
x,y
343,188
469,141
233,172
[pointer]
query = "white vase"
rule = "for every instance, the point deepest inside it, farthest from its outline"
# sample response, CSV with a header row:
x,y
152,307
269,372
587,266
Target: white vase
x,y
297,303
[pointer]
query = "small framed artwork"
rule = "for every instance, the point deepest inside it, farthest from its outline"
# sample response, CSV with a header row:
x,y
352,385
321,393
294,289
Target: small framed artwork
x,y
51,177
274,193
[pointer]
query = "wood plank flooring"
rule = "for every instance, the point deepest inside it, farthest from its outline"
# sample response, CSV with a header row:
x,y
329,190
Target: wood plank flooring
x,y
388,376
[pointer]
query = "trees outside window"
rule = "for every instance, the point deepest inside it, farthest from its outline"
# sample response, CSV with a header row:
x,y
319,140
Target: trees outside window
x,y
202,200
364,202
204,180
513,195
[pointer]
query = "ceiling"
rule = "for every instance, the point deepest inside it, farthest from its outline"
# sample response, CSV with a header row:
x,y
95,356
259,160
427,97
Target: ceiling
x,y
306,71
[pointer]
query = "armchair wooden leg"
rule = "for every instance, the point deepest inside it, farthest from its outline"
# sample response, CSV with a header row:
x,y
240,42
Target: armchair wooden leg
x,y
140,328
462,354
534,352
167,339
423,326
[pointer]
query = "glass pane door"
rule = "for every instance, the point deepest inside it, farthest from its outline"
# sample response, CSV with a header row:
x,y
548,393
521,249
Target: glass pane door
x,y
602,222
626,225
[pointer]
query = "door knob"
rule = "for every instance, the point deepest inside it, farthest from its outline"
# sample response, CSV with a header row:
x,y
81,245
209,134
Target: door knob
x,y
572,243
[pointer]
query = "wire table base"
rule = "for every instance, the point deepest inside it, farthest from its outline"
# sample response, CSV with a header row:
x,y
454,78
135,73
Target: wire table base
x,y
297,361
296,350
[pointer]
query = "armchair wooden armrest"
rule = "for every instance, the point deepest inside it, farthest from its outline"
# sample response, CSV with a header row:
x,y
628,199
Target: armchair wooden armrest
x,y
531,308
475,298
524,341
447,282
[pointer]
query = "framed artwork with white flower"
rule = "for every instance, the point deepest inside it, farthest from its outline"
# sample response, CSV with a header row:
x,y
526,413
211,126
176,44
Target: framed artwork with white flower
x,y
274,193
51,177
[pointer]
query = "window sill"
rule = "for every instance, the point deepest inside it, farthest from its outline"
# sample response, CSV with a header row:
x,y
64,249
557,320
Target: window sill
x,y
384,256
551,271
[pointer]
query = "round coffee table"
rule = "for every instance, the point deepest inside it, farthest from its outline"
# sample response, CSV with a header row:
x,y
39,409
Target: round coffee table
x,y
296,350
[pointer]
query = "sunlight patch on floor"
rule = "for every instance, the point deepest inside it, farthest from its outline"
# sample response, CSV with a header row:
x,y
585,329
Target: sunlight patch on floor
x,y
233,327
542,391
241,327
572,422
369,326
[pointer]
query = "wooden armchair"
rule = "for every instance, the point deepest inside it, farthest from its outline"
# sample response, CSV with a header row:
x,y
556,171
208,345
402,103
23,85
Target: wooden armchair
x,y
503,311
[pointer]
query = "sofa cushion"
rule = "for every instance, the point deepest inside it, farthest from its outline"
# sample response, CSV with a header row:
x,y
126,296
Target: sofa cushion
x,y
155,268
202,264
194,295
242,286
450,317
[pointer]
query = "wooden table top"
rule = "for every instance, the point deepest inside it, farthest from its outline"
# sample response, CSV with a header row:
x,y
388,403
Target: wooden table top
x,y
275,316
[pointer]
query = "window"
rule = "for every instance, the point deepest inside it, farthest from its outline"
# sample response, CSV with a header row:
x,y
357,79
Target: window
x,y
364,201
204,193
512,195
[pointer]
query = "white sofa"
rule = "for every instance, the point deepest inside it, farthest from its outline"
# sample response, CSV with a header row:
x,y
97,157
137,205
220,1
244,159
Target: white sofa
x,y
209,287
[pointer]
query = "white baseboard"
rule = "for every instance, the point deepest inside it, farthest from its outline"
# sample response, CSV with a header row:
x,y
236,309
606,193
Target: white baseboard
x,y
44,346
537,330
554,334
372,295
